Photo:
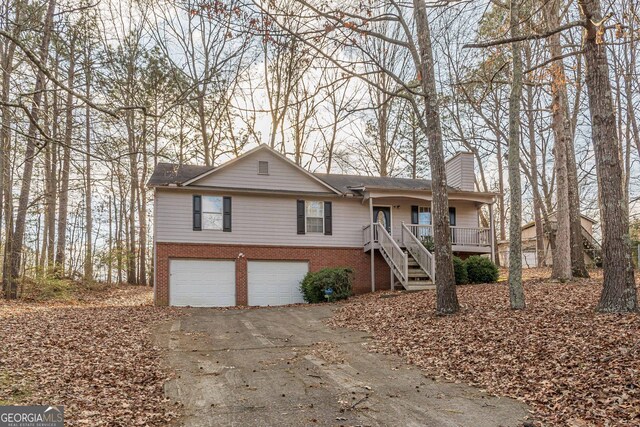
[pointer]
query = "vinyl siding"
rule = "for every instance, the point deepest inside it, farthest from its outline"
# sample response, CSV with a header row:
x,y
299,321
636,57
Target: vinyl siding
x,y
466,213
271,220
244,174
460,172
260,220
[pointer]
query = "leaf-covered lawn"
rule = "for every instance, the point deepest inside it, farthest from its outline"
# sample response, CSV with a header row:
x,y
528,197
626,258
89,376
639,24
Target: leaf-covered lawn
x,y
572,365
95,356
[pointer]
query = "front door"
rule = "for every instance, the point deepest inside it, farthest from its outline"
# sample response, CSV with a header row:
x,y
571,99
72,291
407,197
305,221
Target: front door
x,y
382,215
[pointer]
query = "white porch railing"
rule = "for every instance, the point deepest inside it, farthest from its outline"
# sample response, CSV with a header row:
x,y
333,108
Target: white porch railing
x,y
460,236
366,234
423,257
391,251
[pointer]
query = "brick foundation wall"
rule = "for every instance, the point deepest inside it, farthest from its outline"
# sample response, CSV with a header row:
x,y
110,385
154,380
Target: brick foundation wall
x,y
317,257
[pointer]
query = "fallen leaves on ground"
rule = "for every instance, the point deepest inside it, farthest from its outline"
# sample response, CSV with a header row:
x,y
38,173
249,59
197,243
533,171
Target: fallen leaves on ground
x,y
572,365
95,356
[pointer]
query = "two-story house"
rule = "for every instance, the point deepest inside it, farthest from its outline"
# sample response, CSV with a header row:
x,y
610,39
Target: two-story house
x,y
246,232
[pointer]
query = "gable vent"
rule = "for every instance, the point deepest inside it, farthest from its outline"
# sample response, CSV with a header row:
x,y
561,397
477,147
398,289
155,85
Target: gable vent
x,y
263,167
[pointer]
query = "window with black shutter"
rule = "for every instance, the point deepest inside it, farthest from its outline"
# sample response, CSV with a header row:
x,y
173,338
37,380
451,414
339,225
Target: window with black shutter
x,y
197,213
226,214
300,216
414,215
452,217
328,221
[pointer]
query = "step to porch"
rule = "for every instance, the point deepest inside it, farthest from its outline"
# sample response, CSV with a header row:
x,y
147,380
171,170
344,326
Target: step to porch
x,y
410,287
418,278
421,285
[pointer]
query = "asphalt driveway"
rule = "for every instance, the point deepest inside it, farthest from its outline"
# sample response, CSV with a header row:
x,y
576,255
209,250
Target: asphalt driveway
x,y
284,367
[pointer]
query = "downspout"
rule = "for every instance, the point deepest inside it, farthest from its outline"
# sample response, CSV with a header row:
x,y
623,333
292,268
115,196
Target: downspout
x,y
155,250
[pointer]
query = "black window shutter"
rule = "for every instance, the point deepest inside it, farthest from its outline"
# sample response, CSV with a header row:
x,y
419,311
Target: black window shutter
x,y
197,213
452,217
226,213
414,215
300,216
328,220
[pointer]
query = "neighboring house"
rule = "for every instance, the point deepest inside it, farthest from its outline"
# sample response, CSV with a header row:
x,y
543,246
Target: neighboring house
x,y
246,232
591,247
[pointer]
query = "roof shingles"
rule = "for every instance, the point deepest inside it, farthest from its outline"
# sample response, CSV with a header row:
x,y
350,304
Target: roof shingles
x,y
166,174
173,174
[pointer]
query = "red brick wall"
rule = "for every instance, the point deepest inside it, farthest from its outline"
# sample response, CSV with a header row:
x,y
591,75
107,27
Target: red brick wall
x,y
318,258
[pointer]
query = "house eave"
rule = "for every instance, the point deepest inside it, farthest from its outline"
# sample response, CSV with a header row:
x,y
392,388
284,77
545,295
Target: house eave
x,y
239,190
424,194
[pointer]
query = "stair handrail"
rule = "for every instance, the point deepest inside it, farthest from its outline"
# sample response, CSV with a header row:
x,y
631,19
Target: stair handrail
x,y
595,252
395,255
591,239
423,257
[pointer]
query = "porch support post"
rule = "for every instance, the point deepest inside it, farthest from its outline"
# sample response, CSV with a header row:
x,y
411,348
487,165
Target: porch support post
x,y
373,248
491,233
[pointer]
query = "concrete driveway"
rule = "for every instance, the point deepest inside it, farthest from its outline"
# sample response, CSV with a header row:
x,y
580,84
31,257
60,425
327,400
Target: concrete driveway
x,y
284,367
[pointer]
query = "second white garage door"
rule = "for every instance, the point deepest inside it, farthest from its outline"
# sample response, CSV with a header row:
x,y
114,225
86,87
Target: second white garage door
x,y
202,283
275,282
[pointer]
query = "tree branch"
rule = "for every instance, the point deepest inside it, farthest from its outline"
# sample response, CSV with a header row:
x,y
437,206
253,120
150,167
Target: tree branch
x,y
555,58
35,61
544,35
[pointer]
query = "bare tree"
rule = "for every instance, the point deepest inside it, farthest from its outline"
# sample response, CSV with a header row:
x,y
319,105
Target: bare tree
x,y
619,291
63,199
516,292
560,124
11,288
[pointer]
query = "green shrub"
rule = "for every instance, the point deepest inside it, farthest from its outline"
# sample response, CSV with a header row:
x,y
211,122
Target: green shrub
x,y
481,269
428,243
460,270
314,284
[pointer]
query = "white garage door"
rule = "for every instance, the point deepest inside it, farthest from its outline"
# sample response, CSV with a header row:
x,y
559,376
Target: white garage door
x,y
197,283
275,282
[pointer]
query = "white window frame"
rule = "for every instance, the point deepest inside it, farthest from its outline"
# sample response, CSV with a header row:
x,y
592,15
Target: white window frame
x,y
221,213
424,209
306,227
263,173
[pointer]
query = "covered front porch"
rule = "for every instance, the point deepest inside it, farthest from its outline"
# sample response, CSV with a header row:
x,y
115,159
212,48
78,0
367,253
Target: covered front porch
x,y
471,240
400,229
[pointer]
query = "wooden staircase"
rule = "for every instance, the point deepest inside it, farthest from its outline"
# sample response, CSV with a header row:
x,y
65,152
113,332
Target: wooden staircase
x,y
412,264
592,248
418,279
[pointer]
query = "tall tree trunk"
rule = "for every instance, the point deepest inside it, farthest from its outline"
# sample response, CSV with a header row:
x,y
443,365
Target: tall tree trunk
x,y
631,71
142,214
502,213
414,146
446,296
25,190
383,122
48,150
133,181
88,222
562,133
6,210
537,201
110,240
578,266
63,200
516,292
619,291
52,182
203,129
